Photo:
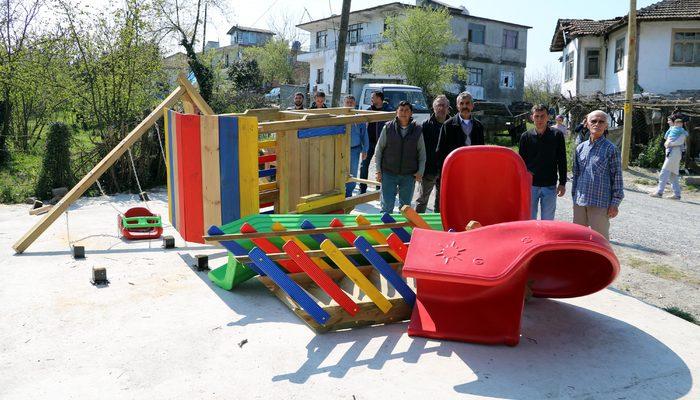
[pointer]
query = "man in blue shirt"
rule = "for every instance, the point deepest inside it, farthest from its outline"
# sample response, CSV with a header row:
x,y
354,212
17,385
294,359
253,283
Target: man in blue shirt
x,y
596,186
359,145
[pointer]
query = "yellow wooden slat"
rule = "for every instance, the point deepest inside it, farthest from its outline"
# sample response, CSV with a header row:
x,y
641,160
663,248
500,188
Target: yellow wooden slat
x,y
249,191
301,207
267,186
211,182
375,234
278,227
267,144
355,275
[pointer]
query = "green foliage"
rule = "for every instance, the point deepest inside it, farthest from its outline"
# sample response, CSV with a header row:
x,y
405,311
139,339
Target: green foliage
x,y
652,154
414,48
682,314
274,60
18,178
56,166
245,75
541,87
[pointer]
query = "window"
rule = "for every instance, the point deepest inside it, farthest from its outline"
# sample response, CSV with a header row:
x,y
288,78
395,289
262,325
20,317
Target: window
x,y
619,54
475,75
686,48
321,39
477,33
354,33
569,66
510,39
366,62
592,67
507,80
319,75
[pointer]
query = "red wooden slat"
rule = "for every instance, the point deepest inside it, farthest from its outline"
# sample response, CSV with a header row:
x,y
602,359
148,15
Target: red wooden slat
x,y
399,247
347,235
268,247
320,278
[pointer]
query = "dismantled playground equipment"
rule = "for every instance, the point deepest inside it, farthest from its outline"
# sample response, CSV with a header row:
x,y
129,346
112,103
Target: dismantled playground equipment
x,y
139,223
262,184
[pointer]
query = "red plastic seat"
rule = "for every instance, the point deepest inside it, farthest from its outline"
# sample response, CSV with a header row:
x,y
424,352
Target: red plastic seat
x,y
471,285
489,184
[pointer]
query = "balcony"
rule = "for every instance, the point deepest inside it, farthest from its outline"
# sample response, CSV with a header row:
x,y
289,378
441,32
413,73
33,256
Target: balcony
x,y
371,41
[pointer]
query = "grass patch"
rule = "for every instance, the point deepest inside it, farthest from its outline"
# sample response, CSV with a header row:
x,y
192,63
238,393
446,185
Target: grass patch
x,y
661,270
644,181
18,179
682,314
693,188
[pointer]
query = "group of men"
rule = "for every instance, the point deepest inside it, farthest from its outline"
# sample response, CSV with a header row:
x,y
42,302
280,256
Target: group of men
x,y
406,153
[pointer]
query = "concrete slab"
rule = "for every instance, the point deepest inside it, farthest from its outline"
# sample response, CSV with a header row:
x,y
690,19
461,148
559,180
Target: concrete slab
x,y
160,330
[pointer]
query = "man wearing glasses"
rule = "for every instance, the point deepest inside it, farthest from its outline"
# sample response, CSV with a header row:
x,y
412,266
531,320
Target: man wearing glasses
x,y
460,130
597,183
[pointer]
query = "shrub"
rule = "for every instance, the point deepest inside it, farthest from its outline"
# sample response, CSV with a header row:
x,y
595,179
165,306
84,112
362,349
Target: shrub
x,y
56,168
652,154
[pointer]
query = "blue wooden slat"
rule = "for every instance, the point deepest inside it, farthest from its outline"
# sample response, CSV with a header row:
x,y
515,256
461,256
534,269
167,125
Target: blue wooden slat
x,y
228,161
173,179
289,286
233,247
321,131
267,172
306,224
385,269
400,232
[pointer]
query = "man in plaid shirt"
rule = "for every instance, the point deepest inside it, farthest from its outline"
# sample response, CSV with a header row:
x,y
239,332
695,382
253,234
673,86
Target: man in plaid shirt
x,y
597,183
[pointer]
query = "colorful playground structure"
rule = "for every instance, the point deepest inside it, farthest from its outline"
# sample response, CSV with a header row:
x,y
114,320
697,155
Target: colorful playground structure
x,y
265,185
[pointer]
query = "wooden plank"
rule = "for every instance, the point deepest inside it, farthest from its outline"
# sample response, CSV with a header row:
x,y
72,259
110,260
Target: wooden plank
x,y
187,104
263,187
211,178
375,234
303,123
304,165
315,253
283,165
355,275
416,220
40,210
191,173
262,114
269,196
345,204
321,131
194,95
315,165
315,231
171,168
326,201
365,181
328,165
88,180
319,196
278,227
228,164
248,165
180,175
267,144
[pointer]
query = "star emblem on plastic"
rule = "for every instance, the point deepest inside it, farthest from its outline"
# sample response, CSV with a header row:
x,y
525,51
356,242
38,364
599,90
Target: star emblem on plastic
x,y
450,252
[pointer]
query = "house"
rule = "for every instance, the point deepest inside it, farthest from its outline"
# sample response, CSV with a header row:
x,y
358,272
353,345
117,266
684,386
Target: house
x,y
492,51
594,54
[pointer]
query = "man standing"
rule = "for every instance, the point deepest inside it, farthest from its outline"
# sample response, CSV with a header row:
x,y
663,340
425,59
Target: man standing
x,y
460,130
431,134
359,145
373,131
319,100
597,183
400,158
544,151
298,101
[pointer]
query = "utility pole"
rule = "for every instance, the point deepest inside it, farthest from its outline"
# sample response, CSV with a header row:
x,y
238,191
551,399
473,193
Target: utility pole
x,y
629,90
340,53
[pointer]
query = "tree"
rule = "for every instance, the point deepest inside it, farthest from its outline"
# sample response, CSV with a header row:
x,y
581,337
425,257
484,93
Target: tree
x,y
245,75
542,86
16,21
55,170
275,61
414,48
184,21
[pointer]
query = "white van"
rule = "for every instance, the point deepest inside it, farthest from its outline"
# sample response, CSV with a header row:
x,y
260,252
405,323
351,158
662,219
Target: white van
x,y
394,94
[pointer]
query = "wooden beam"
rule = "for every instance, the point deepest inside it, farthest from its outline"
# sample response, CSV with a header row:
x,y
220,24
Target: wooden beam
x,y
94,174
317,253
194,95
292,125
241,236
349,202
365,181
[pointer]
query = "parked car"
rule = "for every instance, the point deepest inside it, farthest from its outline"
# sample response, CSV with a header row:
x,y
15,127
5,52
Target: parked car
x,y
273,95
499,120
394,94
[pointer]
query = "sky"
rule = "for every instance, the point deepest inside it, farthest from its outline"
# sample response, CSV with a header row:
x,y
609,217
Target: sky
x,y
541,15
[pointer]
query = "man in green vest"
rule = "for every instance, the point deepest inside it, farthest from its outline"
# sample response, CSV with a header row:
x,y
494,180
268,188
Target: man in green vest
x,y
400,158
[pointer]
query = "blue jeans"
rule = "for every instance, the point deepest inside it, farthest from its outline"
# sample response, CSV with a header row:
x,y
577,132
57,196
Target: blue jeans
x,y
391,184
546,197
354,163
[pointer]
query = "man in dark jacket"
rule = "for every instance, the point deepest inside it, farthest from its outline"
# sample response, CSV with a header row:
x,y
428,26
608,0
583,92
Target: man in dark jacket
x,y
544,151
460,130
431,134
373,131
400,158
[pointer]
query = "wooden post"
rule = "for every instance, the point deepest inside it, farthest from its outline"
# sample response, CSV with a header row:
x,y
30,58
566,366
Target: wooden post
x,y
629,89
340,53
92,176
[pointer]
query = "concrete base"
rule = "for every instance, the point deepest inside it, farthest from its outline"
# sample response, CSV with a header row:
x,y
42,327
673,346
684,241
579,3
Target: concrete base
x,y
161,330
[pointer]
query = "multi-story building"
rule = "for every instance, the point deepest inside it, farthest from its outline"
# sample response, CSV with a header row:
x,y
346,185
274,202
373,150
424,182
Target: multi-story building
x,y
594,56
492,51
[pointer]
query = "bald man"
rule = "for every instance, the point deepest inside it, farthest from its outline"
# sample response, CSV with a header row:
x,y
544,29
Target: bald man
x,y
597,183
